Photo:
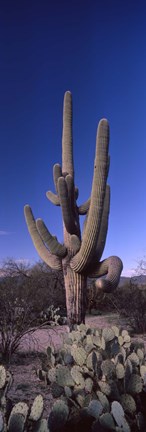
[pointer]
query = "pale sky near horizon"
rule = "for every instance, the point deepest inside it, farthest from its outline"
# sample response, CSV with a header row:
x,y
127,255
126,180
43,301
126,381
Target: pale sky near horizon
x,y
97,50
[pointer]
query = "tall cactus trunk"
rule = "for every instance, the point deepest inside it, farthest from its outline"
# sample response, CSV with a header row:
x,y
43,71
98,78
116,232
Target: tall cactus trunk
x,y
75,287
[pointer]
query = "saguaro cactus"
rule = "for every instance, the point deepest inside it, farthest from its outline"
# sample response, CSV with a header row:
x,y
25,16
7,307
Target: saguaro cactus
x,y
79,256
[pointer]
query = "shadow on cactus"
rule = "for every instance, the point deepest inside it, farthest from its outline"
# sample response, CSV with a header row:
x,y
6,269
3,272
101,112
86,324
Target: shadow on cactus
x,y
79,256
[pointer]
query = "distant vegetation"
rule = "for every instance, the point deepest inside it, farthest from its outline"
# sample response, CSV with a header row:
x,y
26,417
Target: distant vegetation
x,y
129,301
26,292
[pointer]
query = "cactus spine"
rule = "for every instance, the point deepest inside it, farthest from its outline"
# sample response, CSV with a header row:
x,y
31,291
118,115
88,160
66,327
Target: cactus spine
x,y
79,256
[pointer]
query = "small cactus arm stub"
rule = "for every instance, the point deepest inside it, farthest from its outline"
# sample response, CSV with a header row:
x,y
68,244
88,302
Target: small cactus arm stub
x,y
79,256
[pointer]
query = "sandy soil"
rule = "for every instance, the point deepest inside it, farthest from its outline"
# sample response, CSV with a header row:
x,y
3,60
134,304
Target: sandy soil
x,y
31,355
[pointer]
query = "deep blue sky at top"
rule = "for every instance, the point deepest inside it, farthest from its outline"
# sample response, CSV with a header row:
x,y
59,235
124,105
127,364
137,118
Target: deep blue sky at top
x,y
96,49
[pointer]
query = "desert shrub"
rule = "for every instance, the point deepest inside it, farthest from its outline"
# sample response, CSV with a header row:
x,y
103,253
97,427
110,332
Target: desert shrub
x,y
131,303
16,317
50,315
42,284
50,284
21,302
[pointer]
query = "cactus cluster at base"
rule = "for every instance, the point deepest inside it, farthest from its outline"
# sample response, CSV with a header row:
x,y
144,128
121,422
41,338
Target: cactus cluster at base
x,y
98,379
50,316
80,254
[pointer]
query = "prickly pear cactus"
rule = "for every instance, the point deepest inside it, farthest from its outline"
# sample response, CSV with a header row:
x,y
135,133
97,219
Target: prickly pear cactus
x,y
107,385
119,416
58,416
79,256
20,408
42,426
1,422
103,391
16,422
37,408
3,376
22,418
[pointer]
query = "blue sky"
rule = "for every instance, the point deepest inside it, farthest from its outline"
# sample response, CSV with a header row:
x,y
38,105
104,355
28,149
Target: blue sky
x,y
97,50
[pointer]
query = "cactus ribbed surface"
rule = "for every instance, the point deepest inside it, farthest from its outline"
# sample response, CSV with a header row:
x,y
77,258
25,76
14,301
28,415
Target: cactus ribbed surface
x,y
79,256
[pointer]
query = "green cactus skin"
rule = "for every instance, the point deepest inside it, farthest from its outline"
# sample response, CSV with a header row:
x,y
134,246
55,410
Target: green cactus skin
x,y
128,403
118,413
108,334
104,401
18,417
79,355
67,153
88,247
52,260
54,246
41,426
63,376
57,172
79,256
37,408
83,208
75,243
111,267
1,422
103,227
67,214
53,198
2,376
20,408
120,371
135,384
108,368
95,408
58,416
16,423
107,421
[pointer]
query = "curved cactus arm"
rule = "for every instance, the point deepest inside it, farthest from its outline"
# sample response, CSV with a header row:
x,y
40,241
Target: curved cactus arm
x,y
57,172
69,220
67,151
83,258
72,196
53,198
84,225
103,227
51,260
75,243
51,242
83,208
71,190
112,268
